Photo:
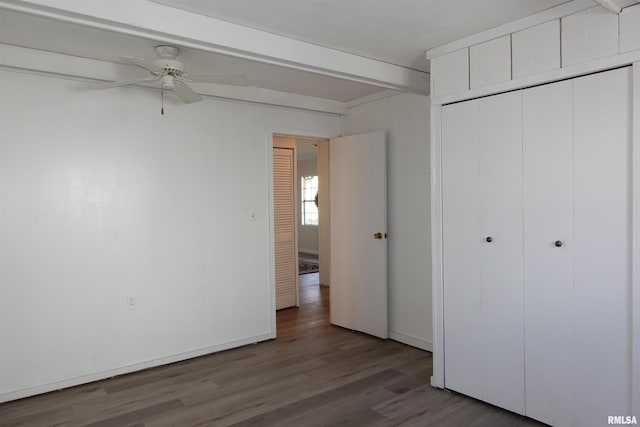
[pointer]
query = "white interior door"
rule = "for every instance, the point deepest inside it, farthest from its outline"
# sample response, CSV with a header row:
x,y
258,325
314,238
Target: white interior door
x,y
358,210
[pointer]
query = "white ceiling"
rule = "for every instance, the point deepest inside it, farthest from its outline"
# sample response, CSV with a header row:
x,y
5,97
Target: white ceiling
x,y
62,37
385,31
394,31
306,148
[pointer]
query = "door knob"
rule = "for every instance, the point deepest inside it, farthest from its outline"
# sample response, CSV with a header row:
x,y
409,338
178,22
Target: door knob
x,y
558,243
377,236
489,239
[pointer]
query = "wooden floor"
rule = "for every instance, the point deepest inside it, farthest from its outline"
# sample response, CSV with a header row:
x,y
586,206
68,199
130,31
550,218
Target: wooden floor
x,y
314,374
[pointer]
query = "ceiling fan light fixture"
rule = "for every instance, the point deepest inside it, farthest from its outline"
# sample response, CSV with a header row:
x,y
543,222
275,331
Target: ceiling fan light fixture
x,y
167,52
169,65
172,75
168,82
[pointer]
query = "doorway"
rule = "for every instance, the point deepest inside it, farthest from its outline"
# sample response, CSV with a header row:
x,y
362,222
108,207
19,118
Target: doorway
x,y
300,220
308,213
354,220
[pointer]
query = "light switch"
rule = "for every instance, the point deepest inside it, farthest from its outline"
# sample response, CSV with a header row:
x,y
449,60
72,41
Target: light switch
x,y
252,214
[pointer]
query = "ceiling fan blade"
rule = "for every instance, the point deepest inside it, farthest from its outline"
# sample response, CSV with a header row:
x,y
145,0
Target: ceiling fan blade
x,y
123,83
224,79
185,93
143,63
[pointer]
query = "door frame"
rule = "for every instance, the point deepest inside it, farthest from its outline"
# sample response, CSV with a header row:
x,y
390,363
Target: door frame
x,y
269,134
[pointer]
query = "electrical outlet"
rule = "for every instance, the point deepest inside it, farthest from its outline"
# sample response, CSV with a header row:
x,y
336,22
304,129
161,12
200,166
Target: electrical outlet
x,y
132,303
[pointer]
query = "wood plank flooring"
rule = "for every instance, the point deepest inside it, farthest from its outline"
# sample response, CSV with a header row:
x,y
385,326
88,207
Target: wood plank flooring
x,y
314,374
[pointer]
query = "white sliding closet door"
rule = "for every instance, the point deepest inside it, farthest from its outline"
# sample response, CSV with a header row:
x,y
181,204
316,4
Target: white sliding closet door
x,y
501,274
461,214
483,295
536,211
602,248
548,269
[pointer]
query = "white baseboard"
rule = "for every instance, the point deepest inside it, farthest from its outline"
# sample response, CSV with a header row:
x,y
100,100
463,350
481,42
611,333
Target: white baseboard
x,y
412,341
435,384
84,379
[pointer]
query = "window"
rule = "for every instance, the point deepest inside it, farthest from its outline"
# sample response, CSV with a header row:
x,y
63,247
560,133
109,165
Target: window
x,y
309,207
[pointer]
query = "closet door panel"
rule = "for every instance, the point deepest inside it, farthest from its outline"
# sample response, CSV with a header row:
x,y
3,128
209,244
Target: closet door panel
x,y
462,291
602,248
501,273
548,269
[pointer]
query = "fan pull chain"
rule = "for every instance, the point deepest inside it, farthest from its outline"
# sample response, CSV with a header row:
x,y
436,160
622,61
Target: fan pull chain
x,y
162,99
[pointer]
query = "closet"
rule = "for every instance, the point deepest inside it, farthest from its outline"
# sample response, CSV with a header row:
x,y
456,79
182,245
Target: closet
x,y
536,208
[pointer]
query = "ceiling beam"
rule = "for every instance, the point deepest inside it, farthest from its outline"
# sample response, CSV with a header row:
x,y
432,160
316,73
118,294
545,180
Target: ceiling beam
x,y
610,5
616,6
168,25
32,60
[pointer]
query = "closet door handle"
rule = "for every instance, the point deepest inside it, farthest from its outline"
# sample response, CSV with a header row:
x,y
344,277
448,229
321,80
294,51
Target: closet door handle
x,y
489,239
558,243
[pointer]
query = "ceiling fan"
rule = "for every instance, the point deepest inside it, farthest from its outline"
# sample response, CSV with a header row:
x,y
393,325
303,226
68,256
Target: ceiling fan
x,y
172,75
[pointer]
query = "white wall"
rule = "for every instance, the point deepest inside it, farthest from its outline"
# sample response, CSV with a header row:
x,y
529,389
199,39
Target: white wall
x,y
307,234
405,118
101,198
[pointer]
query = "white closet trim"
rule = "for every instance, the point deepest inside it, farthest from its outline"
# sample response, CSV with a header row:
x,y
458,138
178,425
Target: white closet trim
x,y
437,278
573,71
635,250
